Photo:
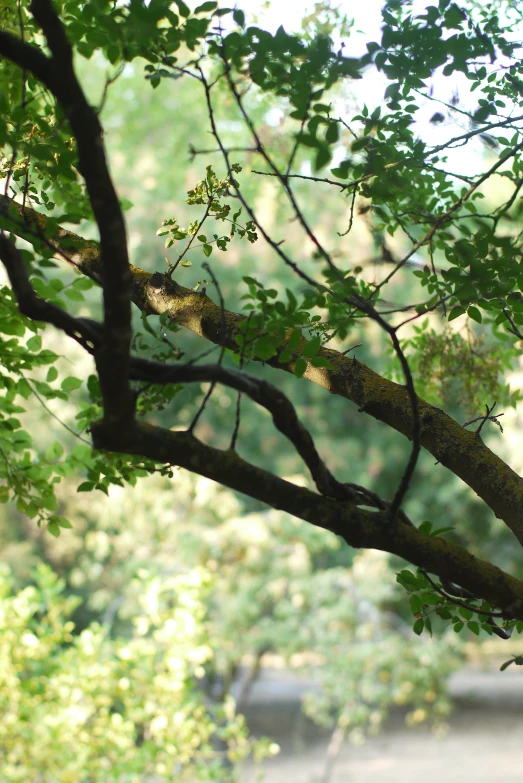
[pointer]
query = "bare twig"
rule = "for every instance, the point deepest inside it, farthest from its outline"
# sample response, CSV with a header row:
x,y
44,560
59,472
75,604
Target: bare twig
x,y
193,152
351,218
239,397
211,388
487,417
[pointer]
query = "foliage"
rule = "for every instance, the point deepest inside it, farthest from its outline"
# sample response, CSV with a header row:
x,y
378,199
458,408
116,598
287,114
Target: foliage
x,y
88,707
452,365
442,257
274,587
352,231
371,664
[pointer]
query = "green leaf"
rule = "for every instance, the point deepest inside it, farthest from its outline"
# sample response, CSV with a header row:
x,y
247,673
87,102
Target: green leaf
x,y
321,361
418,626
205,8
54,529
85,49
85,486
416,604
300,367
440,530
24,389
265,348
285,356
83,283
295,339
239,17
74,295
113,53
407,579
70,384
475,314
342,171
60,521
293,304
47,357
34,343
456,312
312,348
54,451
12,326
207,249
332,134
184,9
323,157
148,328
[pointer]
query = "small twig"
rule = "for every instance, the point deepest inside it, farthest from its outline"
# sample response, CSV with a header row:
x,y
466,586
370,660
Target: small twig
x,y
504,208
208,269
343,186
193,152
173,268
358,345
202,355
483,419
462,604
58,419
276,246
416,427
222,350
110,80
426,309
281,177
351,217
236,430
487,417
297,140
263,393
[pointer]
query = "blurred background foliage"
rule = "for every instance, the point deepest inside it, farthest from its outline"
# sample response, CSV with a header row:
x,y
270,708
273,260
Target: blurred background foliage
x,y
252,585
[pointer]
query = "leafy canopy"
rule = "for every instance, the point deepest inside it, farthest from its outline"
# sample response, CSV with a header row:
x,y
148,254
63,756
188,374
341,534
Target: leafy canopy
x,y
441,295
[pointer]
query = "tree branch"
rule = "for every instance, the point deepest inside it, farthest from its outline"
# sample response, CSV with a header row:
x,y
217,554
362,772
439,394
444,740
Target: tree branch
x,y
57,74
31,305
461,451
360,528
90,335
338,513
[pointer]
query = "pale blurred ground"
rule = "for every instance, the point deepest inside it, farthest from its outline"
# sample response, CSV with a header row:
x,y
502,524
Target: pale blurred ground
x,y
484,743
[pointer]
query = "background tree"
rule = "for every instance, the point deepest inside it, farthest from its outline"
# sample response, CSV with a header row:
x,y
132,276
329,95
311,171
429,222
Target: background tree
x,y
55,161
201,591
87,707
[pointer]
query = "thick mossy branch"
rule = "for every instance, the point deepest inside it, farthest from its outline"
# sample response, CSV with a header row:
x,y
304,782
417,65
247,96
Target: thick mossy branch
x,y
460,450
358,527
